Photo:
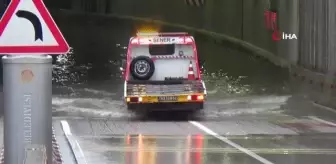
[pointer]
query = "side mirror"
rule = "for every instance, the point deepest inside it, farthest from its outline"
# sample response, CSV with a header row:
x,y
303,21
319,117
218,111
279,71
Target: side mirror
x,y
202,69
122,70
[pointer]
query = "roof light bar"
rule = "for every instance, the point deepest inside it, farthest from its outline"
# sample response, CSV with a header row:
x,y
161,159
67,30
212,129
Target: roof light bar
x,y
147,34
162,34
167,40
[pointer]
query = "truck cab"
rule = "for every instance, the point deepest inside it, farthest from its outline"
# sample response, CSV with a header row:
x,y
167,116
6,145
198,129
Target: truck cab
x,y
162,71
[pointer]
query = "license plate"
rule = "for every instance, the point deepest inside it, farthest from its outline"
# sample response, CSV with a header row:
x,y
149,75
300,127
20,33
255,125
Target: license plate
x,y
167,98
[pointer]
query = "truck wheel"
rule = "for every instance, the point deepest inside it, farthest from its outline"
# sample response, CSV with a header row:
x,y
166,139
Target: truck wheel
x,y
142,68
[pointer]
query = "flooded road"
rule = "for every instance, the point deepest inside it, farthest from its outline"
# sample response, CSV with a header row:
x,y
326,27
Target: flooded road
x,y
251,116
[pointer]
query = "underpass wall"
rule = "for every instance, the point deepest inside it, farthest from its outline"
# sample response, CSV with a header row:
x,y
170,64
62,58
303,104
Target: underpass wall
x,y
314,75
237,21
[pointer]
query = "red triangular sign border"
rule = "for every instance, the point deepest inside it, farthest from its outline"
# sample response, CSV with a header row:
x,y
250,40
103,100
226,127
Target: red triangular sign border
x,y
61,48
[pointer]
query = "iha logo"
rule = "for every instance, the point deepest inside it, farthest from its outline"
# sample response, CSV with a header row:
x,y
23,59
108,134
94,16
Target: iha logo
x,y
271,24
277,36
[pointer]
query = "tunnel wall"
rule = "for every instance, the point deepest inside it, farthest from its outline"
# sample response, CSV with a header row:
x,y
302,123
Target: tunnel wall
x,y
314,75
238,21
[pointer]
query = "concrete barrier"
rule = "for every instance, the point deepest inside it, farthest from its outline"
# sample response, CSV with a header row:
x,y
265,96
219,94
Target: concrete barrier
x,y
314,86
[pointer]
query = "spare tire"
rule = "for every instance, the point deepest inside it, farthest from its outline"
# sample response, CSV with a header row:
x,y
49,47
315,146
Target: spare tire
x,y
142,68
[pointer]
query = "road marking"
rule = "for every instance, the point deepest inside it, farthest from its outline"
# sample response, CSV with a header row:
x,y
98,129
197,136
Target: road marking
x,y
66,127
322,121
73,143
226,140
324,107
81,151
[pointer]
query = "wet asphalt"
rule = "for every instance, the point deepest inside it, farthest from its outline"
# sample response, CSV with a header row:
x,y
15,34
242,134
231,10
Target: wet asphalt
x,y
250,117
261,130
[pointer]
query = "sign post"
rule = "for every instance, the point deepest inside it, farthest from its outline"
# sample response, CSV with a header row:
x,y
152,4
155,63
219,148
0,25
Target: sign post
x,y
27,34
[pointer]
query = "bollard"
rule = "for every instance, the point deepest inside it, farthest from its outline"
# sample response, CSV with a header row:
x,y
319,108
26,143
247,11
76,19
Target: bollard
x,y
27,83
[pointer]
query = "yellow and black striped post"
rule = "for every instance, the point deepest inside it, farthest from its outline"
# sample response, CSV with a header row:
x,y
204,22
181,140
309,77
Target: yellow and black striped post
x,y
196,3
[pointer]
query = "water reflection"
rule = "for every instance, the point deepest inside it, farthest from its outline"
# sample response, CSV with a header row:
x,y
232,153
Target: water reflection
x,y
147,151
204,149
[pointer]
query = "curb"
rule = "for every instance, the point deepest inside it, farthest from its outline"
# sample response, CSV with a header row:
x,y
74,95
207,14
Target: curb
x,y
57,157
317,84
73,144
323,107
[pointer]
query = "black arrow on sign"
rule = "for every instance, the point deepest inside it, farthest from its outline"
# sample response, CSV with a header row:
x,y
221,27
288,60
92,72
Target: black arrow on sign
x,y
34,20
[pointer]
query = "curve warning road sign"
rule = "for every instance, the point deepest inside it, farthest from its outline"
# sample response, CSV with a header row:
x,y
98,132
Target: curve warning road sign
x,y
28,28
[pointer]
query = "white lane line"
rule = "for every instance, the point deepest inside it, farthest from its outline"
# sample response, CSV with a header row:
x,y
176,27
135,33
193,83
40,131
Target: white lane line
x,y
81,151
66,127
226,140
80,158
324,107
321,120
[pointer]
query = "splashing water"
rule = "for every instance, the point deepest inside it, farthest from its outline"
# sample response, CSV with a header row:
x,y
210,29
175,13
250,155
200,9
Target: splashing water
x,y
66,71
220,84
